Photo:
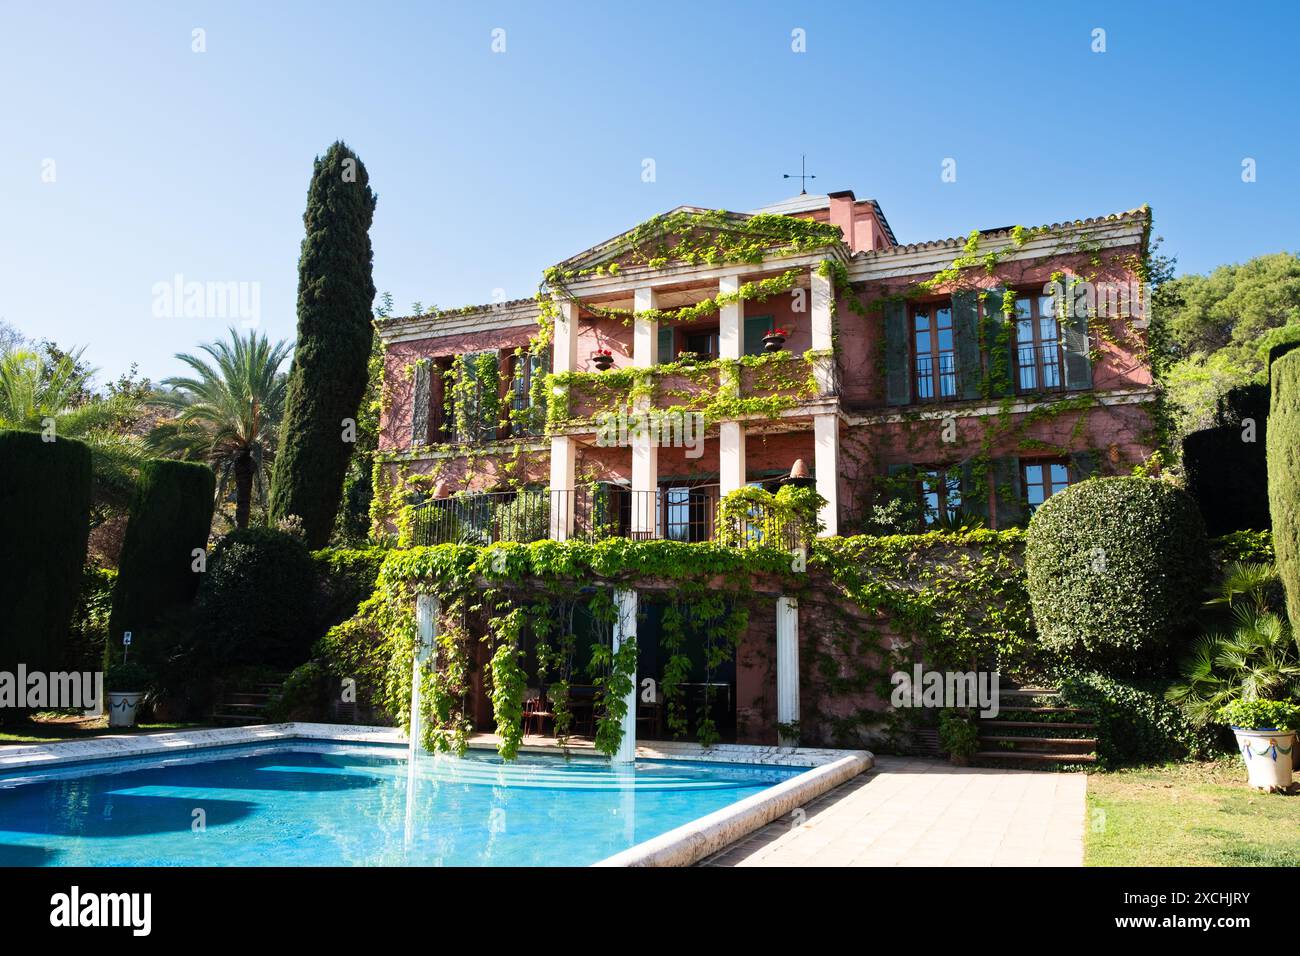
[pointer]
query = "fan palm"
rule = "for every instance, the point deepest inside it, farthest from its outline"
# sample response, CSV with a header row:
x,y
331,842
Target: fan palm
x,y
48,392
1259,658
227,413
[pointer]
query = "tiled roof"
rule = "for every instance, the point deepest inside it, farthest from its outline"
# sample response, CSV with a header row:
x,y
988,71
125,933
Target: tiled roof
x,y
1142,213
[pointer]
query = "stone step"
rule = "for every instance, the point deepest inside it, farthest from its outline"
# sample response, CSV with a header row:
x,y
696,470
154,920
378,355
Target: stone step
x,y
1035,755
1046,710
1040,741
1040,724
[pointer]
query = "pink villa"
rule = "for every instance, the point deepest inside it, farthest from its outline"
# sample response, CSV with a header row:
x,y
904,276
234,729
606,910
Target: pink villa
x,y
950,382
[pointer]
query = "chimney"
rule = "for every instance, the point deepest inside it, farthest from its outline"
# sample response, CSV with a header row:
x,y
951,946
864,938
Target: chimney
x,y
842,215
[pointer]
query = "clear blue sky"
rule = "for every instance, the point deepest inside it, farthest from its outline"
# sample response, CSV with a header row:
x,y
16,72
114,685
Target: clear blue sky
x,y
489,166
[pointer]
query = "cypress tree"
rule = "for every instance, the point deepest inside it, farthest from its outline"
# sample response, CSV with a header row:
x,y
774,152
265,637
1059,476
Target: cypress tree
x,y
328,377
45,493
1284,475
171,515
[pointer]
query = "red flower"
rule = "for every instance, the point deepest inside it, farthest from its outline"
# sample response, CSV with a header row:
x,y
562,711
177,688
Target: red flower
x,y
784,333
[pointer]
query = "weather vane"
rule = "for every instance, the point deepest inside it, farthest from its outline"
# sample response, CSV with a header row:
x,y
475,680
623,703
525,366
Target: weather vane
x,y
803,176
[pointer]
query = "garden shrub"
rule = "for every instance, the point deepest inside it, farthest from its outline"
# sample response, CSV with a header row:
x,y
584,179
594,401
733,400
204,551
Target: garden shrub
x,y
345,577
88,633
45,495
170,517
256,604
1261,715
1284,476
1135,724
1116,568
959,735
1242,546
303,696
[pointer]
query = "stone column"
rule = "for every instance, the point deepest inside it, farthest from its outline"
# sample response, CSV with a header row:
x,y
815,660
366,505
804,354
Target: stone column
x,y
625,606
787,666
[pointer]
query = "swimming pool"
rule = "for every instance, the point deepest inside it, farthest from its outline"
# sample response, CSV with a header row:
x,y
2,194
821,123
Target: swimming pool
x,y
313,803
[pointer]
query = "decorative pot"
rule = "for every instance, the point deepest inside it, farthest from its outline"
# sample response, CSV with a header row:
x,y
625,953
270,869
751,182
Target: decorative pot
x,y
1268,756
773,343
603,362
121,707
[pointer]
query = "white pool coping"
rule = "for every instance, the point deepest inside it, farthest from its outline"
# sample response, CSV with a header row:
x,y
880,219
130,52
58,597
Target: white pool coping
x,y
682,846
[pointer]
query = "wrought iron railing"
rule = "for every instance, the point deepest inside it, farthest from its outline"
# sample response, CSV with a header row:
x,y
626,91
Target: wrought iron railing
x,y
604,511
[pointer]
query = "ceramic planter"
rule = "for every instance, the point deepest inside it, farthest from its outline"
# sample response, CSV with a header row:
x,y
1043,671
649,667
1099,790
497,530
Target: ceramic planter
x,y
773,343
121,707
1268,755
603,362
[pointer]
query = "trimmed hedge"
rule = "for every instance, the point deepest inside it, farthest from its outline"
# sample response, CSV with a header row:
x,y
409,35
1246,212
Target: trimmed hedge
x,y
1284,476
1227,475
1116,569
256,604
1135,724
171,515
45,495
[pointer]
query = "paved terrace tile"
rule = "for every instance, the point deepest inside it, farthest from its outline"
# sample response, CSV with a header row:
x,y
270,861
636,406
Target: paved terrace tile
x,y
918,812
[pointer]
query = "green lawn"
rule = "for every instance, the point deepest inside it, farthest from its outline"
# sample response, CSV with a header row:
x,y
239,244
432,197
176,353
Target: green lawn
x,y
1196,814
47,727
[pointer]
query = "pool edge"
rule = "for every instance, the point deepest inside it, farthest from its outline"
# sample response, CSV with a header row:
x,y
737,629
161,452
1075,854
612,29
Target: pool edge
x,y
692,842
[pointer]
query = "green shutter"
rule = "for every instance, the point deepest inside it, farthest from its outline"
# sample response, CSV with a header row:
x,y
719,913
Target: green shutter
x,y
974,493
999,344
966,332
666,339
1008,492
420,404
1078,363
756,326
1083,465
898,389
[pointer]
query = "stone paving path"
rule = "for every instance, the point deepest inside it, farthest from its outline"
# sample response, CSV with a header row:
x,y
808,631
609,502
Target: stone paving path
x,y
917,812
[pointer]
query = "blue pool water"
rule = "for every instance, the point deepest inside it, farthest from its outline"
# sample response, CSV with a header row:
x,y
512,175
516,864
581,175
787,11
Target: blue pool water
x,y
303,803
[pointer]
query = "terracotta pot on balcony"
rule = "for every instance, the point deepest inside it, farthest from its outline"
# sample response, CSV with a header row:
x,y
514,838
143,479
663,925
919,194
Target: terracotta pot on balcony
x,y
773,342
603,360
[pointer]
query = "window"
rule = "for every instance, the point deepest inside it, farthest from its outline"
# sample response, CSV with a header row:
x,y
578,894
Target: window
x,y
527,367
935,368
1037,344
1042,479
684,513
704,343
940,495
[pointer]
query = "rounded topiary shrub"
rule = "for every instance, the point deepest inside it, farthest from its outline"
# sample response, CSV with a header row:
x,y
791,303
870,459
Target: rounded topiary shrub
x,y
171,514
1115,569
256,603
45,495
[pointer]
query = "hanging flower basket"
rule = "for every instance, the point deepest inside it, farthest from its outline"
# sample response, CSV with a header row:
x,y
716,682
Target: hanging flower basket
x,y
603,358
774,341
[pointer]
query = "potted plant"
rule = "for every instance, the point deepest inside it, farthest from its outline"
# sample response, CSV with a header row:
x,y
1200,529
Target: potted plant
x,y
603,358
1266,736
959,737
775,339
688,358
126,683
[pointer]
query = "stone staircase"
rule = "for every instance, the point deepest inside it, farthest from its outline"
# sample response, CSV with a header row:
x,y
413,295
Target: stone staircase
x,y
1032,726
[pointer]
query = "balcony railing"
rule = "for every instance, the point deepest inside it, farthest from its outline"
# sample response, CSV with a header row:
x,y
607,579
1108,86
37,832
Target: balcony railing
x,y
605,511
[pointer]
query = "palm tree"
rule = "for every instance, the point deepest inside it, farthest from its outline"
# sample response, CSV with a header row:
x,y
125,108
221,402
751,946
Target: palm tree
x,y
48,391
1259,658
227,414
